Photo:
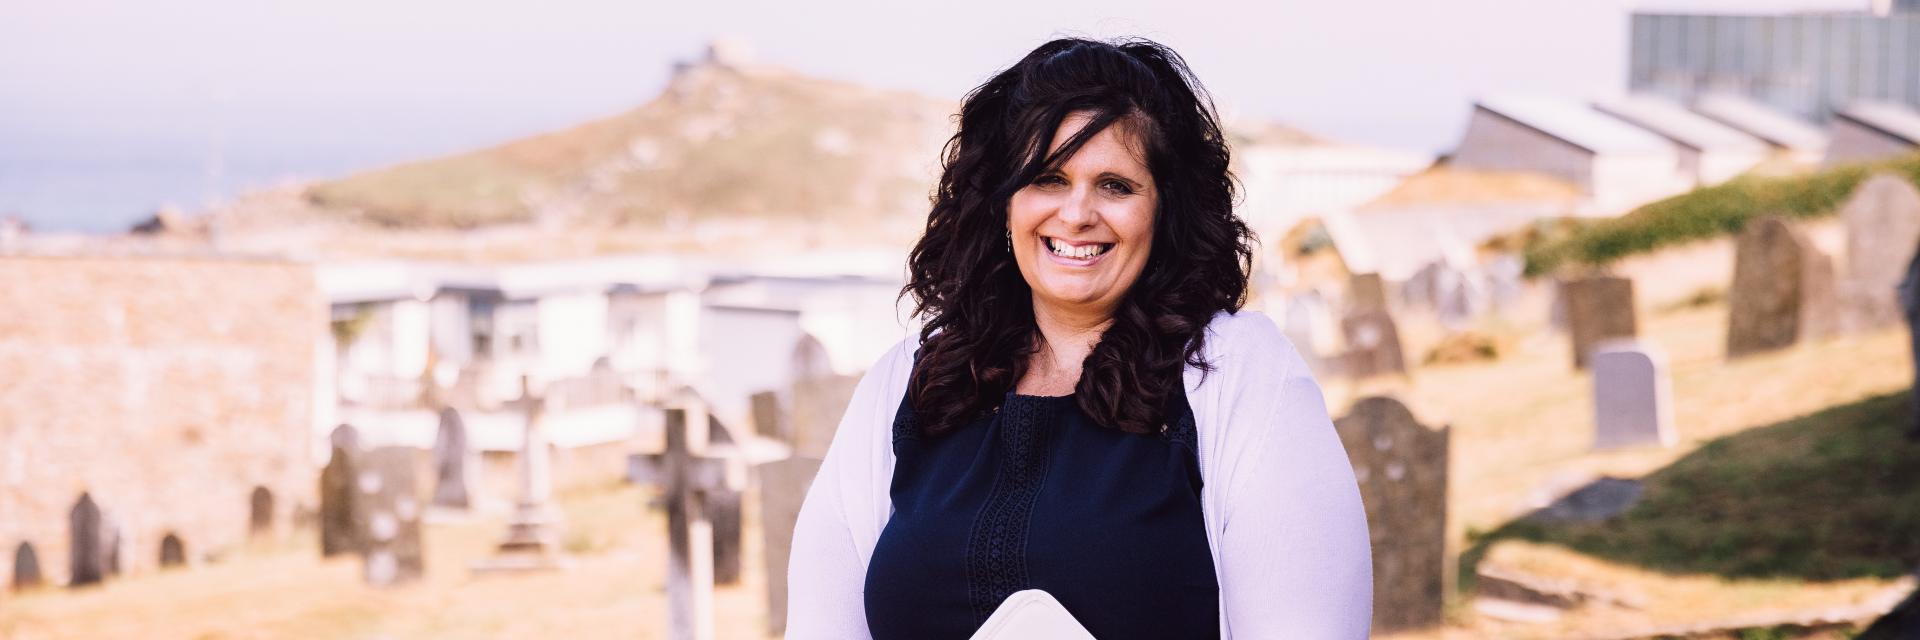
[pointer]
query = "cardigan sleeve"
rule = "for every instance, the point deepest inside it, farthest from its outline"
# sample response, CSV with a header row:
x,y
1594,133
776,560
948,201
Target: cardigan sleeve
x,y
1295,556
826,571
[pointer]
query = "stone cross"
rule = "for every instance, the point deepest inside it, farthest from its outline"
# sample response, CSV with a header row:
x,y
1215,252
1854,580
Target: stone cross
x,y
533,531
1401,466
387,514
337,534
452,476
685,477
1598,309
1632,396
1782,289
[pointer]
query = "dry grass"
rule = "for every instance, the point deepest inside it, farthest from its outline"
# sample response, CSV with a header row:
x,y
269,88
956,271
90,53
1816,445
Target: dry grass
x,y
615,589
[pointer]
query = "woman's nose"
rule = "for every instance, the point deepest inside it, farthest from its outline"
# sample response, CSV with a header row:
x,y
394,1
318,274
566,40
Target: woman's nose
x,y
1078,210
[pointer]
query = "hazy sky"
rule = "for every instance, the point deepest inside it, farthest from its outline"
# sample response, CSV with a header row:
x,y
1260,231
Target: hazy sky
x,y
108,109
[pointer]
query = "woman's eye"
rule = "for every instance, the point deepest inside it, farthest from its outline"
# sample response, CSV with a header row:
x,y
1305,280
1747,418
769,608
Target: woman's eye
x,y
1119,187
1048,180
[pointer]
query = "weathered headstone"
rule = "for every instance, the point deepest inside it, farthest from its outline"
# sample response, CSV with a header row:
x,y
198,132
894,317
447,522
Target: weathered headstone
x,y
532,542
784,483
685,478
89,543
1373,345
725,507
387,514
1883,231
1782,289
26,568
1402,470
818,404
1366,292
260,511
452,476
1632,397
1910,303
337,494
1598,308
766,416
173,552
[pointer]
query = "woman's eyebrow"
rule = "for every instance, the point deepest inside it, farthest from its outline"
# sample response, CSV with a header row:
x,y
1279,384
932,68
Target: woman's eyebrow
x,y
1130,181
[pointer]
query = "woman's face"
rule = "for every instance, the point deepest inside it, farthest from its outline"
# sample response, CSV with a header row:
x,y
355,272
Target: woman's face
x,y
1081,233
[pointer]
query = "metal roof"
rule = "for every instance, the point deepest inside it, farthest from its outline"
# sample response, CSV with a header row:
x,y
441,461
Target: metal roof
x,y
1674,122
1576,123
1763,122
1889,118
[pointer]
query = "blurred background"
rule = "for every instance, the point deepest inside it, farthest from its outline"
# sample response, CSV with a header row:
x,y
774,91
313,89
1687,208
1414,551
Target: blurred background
x,y
435,319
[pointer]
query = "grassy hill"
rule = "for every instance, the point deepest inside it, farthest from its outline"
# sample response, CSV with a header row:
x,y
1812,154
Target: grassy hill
x,y
721,141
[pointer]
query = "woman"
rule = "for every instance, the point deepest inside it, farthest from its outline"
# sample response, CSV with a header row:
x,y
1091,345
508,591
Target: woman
x,y
1083,411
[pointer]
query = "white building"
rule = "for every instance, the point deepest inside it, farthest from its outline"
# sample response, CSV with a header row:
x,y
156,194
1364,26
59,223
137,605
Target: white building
x,y
1710,153
1871,131
1289,176
1616,164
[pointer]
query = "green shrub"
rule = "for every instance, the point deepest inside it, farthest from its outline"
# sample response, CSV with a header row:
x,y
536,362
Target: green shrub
x,y
1702,214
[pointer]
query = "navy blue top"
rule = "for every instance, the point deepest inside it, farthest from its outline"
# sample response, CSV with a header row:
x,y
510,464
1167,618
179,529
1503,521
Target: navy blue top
x,y
1036,495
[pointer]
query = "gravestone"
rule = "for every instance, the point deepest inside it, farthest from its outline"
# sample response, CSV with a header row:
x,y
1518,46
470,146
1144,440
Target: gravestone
x,y
784,483
387,513
337,494
685,478
1782,289
1373,345
532,542
89,543
1401,467
818,403
1598,308
452,475
1910,303
173,552
26,568
1366,293
766,417
260,511
725,508
1632,397
1883,231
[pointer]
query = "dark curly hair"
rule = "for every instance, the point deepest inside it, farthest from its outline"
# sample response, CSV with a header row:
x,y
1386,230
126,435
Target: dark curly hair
x,y
979,329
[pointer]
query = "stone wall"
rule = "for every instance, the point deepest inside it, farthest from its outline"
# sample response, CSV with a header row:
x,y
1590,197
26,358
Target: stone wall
x,y
169,389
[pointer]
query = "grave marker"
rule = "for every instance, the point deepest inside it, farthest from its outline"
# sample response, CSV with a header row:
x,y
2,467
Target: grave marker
x,y
387,515
1632,397
452,475
337,494
686,477
90,543
1373,345
1883,231
1598,309
26,568
1782,289
1401,466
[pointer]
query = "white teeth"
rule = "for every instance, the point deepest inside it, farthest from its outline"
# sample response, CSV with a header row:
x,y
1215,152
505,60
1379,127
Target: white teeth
x,y
1081,252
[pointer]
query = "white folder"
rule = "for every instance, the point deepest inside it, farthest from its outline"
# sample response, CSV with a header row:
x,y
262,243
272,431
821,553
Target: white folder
x,y
1031,615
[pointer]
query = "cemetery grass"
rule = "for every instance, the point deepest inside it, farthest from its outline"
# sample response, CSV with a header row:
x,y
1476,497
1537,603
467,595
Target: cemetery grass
x,y
1825,497
1522,429
615,588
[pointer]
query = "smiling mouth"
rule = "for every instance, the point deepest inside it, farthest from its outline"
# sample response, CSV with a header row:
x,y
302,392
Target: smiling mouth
x,y
1078,252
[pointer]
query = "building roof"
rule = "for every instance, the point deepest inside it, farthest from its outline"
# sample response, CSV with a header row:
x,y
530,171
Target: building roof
x,y
1670,120
1763,122
1576,123
1891,119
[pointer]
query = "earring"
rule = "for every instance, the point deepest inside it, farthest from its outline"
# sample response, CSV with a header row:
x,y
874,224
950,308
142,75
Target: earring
x,y
1009,241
